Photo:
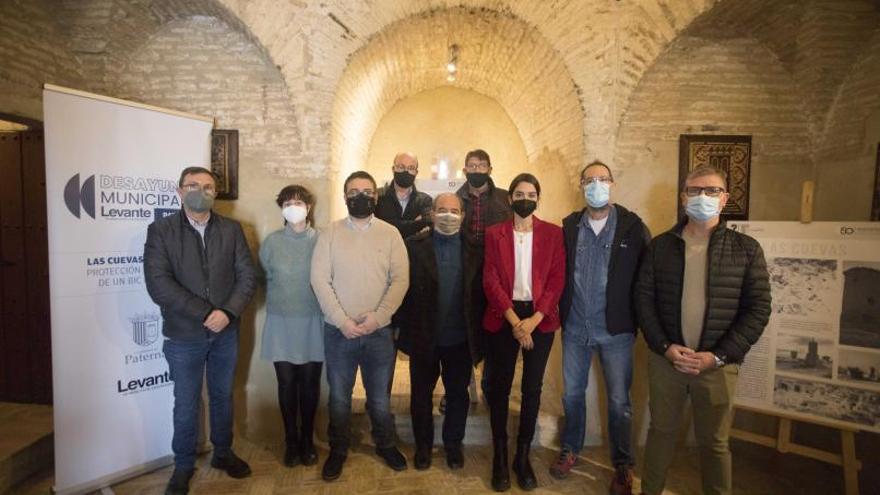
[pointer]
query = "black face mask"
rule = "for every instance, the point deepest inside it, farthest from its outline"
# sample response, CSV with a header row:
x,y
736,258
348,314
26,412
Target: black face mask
x,y
524,207
404,179
477,179
360,206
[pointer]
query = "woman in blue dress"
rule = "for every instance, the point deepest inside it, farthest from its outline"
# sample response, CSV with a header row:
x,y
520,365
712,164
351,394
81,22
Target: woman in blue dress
x,y
293,337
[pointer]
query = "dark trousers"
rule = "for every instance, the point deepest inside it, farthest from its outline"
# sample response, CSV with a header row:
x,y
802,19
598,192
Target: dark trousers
x,y
501,353
453,364
299,388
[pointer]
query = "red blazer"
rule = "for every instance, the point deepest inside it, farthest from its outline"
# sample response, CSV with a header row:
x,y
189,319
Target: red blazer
x,y
548,273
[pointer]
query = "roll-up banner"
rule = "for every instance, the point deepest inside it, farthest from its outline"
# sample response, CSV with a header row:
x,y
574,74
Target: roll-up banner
x,y
111,169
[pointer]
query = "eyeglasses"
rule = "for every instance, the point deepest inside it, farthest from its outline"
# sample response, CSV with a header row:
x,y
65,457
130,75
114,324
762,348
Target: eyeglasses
x,y
479,167
711,191
601,178
400,168
195,186
354,192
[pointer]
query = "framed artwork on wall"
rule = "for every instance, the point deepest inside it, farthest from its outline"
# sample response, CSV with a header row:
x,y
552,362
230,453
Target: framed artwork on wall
x,y
875,204
732,154
224,162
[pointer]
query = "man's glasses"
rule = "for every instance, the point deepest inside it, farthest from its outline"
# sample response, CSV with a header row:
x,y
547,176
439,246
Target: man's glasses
x,y
354,192
195,186
601,178
481,167
711,191
401,168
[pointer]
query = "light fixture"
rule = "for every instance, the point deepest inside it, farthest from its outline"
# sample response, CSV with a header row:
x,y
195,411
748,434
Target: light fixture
x,y
452,63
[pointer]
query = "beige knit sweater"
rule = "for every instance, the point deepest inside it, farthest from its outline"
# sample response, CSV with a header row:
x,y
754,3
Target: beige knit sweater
x,y
358,271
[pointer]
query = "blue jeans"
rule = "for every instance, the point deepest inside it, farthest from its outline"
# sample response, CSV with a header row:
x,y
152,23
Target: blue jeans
x,y
375,354
188,361
616,356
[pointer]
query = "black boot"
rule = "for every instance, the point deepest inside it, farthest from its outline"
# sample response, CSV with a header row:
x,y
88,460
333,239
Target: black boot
x,y
500,471
307,453
291,454
525,476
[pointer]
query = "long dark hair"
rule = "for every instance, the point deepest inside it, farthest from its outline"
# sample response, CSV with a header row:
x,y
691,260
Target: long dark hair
x,y
524,177
296,191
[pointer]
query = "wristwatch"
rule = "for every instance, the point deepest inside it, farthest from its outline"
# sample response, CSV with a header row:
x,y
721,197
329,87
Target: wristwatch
x,y
718,361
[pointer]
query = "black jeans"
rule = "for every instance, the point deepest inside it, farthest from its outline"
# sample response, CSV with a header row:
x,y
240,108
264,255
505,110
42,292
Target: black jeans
x,y
501,353
453,364
299,388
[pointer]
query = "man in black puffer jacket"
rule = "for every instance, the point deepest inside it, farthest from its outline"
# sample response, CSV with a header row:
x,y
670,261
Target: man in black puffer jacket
x,y
703,299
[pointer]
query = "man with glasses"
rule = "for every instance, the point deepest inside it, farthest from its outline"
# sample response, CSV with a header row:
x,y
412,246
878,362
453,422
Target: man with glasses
x,y
483,205
703,299
198,270
400,204
604,243
360,274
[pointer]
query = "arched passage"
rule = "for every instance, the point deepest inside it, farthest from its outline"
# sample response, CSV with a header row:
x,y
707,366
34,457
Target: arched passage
x,y
500,57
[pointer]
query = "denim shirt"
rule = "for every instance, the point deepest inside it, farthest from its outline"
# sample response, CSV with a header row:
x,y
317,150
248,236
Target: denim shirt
x,y
587,315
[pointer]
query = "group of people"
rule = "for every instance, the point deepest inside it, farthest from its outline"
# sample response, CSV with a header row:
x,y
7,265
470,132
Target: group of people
x,y
452,281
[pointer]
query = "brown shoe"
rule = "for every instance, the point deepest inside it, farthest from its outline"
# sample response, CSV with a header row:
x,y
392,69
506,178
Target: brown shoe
x,y
622,484
563,464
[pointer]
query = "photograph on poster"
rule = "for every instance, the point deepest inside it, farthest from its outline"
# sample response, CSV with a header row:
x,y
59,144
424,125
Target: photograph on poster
x,y
858,366
804,355
860,315
825,399
802,286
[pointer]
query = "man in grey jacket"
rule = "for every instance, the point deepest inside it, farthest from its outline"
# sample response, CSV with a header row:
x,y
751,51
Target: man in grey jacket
x,y
199,271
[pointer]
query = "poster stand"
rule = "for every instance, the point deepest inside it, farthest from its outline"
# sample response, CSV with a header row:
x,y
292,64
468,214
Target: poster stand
x,y
782,443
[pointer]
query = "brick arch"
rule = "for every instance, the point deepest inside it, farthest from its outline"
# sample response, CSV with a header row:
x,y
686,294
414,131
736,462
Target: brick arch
x,y
501,57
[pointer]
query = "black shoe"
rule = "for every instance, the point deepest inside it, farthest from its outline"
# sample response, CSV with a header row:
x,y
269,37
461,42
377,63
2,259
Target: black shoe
x,y
525,476
454,456
422,459
393,458
179,482
307,453
500,471
333,466
233,465
291,455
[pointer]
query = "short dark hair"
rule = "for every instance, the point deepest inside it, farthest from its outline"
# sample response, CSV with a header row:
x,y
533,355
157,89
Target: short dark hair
x,y
194,171
524,177
478,154
360,174
295,191
597,163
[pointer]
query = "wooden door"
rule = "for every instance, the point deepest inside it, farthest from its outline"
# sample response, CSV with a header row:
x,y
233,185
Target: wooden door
x,y
25,350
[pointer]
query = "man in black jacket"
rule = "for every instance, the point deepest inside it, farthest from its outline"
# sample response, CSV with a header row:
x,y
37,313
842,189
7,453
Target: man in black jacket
x,y
198,270
439,330
703,299
604,244
400,204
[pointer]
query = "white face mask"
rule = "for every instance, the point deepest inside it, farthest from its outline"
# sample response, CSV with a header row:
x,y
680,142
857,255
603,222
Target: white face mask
x,y
294,214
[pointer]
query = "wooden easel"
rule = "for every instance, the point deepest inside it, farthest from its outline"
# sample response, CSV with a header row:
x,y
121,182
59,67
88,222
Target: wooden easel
x,y
782,443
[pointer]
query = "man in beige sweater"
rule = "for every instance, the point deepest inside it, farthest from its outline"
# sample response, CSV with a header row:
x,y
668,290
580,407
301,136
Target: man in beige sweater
x,y
360,274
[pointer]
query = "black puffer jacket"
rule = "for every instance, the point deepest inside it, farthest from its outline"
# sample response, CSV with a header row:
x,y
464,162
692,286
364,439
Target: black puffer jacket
x,y
388,209
737,292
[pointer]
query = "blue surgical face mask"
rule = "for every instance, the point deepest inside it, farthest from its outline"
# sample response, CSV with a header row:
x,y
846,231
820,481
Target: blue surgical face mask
x,y
597,193
703,208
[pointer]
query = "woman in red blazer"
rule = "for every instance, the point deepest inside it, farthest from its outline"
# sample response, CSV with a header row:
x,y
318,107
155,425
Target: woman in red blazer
x,y
523,276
